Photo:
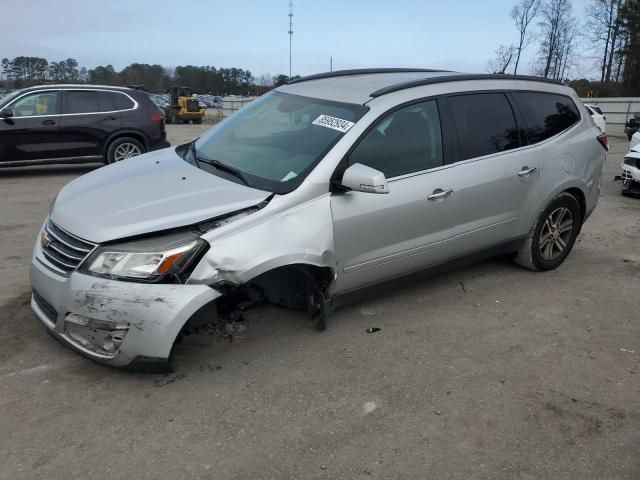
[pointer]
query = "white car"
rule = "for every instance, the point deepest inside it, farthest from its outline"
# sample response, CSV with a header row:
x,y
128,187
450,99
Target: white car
x,y
598,117
635,140
631,170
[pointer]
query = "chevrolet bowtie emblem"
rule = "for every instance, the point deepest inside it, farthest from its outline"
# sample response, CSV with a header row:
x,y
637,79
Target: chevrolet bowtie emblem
x,y
44,240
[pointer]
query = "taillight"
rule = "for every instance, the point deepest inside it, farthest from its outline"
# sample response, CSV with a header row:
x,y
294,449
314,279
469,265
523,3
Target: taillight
x,y
157,117
604,141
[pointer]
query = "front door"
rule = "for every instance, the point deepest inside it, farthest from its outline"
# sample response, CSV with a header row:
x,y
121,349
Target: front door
x,y
379,236
32,132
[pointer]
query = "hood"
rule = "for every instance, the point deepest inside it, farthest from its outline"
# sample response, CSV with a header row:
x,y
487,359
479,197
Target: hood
x,y
148,193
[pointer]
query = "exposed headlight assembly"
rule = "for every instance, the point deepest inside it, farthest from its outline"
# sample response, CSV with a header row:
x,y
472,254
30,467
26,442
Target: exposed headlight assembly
x,y
166,258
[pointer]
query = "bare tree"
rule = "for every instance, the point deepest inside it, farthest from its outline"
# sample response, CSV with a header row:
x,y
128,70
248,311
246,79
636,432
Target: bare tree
x,y
522,14
604,28
620,50
555,26
265,80
502,59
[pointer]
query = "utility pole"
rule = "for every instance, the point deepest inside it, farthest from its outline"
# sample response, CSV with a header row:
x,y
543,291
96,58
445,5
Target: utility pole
x,y
290,33
331,64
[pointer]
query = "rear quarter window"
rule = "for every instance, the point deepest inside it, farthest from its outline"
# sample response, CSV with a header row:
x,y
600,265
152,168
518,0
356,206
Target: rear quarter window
x,y
121,101
546,114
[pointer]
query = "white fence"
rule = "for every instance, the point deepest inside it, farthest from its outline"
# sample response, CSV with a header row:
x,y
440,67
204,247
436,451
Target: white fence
x,y
230,105
617,109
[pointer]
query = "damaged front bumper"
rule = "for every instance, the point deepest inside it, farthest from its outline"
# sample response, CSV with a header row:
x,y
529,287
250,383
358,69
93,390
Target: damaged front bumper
x,y
631,175
122,324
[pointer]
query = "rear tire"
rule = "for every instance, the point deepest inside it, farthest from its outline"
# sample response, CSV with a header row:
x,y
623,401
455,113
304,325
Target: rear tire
x,y
123,148
197,121
553,235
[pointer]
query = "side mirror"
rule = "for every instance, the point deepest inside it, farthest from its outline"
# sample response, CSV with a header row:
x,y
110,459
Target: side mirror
x,y
361,178
6,113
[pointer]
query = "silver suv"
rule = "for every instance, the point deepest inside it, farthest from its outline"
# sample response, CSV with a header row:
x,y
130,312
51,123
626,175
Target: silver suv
x,y
326,185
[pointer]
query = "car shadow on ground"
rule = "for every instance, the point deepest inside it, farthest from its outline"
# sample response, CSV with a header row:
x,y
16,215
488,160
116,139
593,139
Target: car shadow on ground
x,y
269,325
48,170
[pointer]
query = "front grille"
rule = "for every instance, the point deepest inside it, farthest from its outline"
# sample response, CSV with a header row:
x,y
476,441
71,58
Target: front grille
x,y
45,307
63,250
192,106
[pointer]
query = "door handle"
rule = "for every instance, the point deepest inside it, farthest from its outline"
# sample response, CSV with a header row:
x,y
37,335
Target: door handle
x,y
48,123
526,171
111,118
439,194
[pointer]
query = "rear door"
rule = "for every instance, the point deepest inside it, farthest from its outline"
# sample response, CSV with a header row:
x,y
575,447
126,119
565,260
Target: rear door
x,y
494,175
89,118
32,132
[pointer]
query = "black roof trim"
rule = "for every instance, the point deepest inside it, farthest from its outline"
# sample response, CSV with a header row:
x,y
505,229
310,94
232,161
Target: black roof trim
x,y
362,71
459,78
79,86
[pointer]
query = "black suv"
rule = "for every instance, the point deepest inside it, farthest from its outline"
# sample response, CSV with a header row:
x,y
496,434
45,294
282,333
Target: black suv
x,y
65,123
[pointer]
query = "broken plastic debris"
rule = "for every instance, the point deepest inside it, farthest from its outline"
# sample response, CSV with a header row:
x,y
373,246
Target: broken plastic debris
x,y
369,407
627,350
373,329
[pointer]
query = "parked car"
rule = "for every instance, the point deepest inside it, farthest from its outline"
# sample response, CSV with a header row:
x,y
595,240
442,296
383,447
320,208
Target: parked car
x,y
631,169
634,141
632,126
326,185
598,117
67,123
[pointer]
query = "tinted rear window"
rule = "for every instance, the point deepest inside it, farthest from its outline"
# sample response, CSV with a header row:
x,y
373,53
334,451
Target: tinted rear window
x,y
96,101
82,102
546,114
120,101
485,124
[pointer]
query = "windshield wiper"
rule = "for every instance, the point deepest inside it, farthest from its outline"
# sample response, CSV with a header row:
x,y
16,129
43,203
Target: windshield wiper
x,y
223,166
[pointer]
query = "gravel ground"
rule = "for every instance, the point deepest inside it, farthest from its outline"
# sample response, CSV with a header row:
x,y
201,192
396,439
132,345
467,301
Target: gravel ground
x,y
486,372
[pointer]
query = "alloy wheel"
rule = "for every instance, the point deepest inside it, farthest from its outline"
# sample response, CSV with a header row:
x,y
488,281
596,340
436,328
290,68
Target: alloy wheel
x,y
555,233
126,150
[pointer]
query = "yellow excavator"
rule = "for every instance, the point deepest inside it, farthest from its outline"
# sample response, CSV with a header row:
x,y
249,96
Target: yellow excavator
x,y
183,107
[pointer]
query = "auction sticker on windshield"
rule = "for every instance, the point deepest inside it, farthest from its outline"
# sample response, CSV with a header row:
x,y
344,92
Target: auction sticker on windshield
x,y
334,123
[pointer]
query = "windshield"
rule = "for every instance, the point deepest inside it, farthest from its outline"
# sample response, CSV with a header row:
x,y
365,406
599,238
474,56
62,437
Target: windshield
x,y
7,98
275,141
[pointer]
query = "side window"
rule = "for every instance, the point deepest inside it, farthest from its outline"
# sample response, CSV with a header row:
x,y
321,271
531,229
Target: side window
x,y
546,114
119,100
484,123
408,140
83,102
106,103
37,104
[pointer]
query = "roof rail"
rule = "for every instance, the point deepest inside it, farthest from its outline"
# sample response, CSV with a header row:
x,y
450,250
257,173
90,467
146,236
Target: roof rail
x,y
459,78
362,71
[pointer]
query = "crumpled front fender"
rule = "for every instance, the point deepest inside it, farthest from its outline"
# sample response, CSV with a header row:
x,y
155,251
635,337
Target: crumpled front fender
x,y
299,235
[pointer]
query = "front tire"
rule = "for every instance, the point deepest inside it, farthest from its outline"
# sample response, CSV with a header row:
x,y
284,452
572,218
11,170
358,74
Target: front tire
x,y
123,148
553,235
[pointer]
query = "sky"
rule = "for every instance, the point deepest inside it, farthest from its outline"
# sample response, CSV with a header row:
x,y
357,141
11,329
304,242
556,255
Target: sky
x,y
454,35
